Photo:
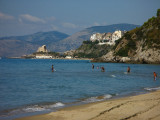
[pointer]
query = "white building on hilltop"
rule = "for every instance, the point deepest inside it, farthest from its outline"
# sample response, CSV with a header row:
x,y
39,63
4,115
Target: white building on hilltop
x,y
107,38
117,35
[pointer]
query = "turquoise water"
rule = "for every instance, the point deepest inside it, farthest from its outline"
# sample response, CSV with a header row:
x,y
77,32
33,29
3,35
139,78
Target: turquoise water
x,y
28,86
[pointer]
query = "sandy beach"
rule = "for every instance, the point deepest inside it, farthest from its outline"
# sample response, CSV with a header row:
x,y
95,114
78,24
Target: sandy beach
x,y
140,107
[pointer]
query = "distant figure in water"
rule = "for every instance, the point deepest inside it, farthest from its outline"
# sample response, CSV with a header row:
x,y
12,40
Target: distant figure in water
x,y
52,68
92,66
155,76
128,69
102,69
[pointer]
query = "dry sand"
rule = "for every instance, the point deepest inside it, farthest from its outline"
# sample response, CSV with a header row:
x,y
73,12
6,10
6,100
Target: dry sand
x,y
140,107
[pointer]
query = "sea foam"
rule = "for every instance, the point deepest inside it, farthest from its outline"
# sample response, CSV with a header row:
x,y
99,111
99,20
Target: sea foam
x,y
35,108
152,89
97,98
56,105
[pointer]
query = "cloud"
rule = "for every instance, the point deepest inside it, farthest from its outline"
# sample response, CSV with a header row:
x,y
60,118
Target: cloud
x,y
69,25
50,19
99,24
6,17
96,24
54,27
30,18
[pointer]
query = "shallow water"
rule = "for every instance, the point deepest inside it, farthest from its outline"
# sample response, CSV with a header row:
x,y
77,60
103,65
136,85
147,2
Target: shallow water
x,y
29,85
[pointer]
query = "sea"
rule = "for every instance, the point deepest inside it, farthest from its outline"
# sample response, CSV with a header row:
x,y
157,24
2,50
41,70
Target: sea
x,y
29,87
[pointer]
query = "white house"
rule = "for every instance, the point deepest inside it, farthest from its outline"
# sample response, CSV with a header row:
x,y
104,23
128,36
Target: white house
x,y
117,35
96,36
43,57
107,38
68,57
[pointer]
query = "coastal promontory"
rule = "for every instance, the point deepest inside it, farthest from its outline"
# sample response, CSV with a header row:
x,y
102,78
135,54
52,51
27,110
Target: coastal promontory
x,y
140,45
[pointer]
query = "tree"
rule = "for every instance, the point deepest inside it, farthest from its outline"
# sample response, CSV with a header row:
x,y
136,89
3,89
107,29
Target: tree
x,y
158,13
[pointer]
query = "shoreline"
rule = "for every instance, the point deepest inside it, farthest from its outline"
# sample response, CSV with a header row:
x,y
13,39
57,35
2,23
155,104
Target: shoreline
x,y
61,105
90,59
51,58
143,106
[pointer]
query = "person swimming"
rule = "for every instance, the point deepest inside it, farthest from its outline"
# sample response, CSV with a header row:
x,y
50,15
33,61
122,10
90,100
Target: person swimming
x,y
92,66
97,67
155,76
102,69
128,69
52,68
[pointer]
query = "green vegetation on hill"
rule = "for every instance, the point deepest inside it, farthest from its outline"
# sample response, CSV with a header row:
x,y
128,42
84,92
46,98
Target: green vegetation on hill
x,y
92,50
47,53
148,33
153,34
130,46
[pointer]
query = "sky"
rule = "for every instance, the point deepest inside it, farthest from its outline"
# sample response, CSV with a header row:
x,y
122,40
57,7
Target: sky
x,y
23,17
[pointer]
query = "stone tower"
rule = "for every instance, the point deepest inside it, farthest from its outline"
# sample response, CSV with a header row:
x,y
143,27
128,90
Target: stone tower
x,y
42,49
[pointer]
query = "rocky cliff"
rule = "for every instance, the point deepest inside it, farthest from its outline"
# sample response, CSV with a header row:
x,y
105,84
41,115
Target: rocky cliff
x,y
140,45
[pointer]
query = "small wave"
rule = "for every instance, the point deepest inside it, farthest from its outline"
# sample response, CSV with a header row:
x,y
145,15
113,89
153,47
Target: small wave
x,y
97,98
37,108
113,75
34,108
152,89
59,104
107,96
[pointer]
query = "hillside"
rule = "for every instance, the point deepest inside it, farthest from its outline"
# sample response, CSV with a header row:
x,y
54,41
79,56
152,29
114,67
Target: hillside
x,y
91,50
140,45
20,45
40,37
55,41
76,40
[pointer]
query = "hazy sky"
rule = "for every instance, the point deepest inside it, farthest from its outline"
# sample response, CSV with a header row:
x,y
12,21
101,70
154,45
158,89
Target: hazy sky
x,y
21,17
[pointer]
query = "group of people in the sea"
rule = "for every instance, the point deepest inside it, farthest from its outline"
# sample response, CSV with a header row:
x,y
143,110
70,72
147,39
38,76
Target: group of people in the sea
x,y
103,70
128,71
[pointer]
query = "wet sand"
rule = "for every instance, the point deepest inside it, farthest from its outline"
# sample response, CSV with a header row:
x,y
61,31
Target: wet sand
x,y
140,107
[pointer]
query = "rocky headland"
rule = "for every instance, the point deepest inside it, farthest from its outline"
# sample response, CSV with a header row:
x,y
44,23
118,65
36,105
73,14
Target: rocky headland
x,y
140,45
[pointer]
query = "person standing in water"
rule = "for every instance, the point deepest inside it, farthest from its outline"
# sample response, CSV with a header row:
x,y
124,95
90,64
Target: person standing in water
x,y
102,69
52,68
92,66
155,76
97,67
128,69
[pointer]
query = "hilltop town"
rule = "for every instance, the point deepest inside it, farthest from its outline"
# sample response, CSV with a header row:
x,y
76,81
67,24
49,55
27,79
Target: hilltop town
x,y
107,38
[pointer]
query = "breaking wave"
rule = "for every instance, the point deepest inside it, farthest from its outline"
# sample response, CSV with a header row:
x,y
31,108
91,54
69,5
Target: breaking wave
x,y
97,98
152,88
33,108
